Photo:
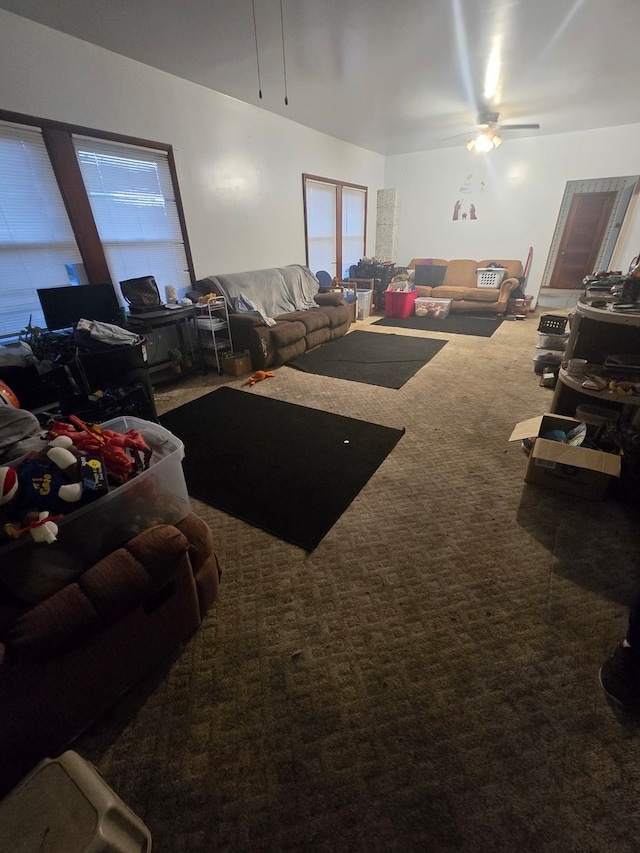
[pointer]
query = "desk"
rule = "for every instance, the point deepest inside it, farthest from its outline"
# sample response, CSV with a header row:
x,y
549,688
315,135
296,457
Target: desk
x,y
168,330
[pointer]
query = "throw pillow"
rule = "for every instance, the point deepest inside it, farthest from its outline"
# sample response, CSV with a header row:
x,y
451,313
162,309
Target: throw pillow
x,y
328,299
429,275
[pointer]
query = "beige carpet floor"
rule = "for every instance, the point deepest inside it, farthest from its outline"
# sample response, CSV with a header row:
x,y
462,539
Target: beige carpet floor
x,y
426,679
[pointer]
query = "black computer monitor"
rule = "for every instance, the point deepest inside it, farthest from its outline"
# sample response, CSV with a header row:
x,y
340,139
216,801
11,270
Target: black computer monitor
x,y
64,306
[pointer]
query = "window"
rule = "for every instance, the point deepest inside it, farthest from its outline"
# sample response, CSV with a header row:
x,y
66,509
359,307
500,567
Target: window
x,y
36,237
335,224
134,207
72,198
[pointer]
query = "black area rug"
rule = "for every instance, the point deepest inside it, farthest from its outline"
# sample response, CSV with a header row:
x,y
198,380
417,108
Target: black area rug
x,y
287,469
386,360
482,326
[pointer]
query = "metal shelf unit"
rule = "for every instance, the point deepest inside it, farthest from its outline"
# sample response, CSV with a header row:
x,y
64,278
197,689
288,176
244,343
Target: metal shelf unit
x,y
214,331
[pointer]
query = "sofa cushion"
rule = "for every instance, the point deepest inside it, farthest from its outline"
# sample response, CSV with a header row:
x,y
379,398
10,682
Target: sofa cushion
x,y
455,293
284,354
460,273
312,320
338,331
285,333
320,336
339,316
479,294
429,275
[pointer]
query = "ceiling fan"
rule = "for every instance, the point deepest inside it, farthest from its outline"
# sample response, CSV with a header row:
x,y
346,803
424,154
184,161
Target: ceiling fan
x,y
489,130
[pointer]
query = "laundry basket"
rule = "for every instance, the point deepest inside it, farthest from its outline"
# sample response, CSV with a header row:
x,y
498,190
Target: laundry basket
x,y
489,276
552,324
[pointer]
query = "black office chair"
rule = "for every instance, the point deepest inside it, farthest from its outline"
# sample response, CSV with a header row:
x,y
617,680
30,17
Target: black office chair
x,y
324,278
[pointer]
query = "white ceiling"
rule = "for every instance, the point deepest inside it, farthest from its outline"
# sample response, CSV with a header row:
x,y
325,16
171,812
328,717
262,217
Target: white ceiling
x,y
393,76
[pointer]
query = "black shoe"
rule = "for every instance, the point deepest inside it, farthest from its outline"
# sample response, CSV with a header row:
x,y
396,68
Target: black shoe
x,y
620,678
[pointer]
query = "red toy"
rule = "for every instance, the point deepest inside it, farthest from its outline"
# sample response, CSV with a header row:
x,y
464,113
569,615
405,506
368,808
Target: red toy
x,y
124,454
258,376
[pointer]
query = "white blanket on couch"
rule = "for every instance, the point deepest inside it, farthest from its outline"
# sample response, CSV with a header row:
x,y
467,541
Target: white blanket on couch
x,y
275,291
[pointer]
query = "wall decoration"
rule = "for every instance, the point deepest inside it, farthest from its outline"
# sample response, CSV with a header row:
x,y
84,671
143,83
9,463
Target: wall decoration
x,y
465,207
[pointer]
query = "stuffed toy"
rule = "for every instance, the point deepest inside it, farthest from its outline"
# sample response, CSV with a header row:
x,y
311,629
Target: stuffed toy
x,y
258,376
39,490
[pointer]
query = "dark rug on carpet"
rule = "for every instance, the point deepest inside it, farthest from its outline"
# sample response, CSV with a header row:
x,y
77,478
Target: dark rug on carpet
x,y
288,469
375,359
480,325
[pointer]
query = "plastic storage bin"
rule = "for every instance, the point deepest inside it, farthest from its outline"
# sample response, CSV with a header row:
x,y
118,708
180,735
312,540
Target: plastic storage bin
x,y
553,342
489,277
399,303
427,306
364,303
156,496
65,806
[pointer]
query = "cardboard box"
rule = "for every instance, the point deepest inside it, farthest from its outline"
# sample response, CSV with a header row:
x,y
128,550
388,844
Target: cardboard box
x,y
427,306
399,303
577,470
237,364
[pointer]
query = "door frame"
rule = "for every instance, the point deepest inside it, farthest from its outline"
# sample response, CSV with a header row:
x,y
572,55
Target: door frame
x,y
623,187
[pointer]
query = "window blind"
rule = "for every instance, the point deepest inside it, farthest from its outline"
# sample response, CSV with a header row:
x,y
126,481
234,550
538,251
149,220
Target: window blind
x,y
134,206
36,238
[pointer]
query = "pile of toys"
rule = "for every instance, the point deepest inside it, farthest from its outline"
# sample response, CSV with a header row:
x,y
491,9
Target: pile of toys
x,y
77,464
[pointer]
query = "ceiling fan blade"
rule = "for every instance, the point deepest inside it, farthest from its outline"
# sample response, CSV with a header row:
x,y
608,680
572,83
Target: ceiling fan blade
x,y
458,135
518,127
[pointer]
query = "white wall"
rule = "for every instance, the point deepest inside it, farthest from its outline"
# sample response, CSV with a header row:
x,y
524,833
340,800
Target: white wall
x,y
239,167
517,190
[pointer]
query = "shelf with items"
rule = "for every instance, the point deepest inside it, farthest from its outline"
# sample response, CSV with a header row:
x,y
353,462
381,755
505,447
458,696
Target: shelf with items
x,y
214,331
607,394
597,335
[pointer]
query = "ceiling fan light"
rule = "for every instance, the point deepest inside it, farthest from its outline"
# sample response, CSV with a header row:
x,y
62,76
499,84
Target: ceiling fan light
x,y
471,144
483,142
496,140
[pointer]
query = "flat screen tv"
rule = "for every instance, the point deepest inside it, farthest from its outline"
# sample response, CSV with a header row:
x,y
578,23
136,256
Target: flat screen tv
x,y
64,306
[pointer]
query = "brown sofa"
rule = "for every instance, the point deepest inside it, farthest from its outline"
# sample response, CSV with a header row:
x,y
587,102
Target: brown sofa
x,y
304,318
64,661
460,283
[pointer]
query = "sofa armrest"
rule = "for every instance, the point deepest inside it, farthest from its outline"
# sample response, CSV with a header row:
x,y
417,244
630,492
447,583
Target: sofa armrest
x,y
508,285
101,596
329,299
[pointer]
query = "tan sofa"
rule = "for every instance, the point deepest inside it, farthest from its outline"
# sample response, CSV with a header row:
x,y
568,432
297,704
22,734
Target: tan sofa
x,y
460,284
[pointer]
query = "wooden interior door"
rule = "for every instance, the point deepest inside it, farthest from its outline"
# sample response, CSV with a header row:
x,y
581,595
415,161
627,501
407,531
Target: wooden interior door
x,y
582,238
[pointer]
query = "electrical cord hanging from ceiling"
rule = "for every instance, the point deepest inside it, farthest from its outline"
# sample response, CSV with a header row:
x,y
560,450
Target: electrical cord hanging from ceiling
x,y
284,59
255,33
